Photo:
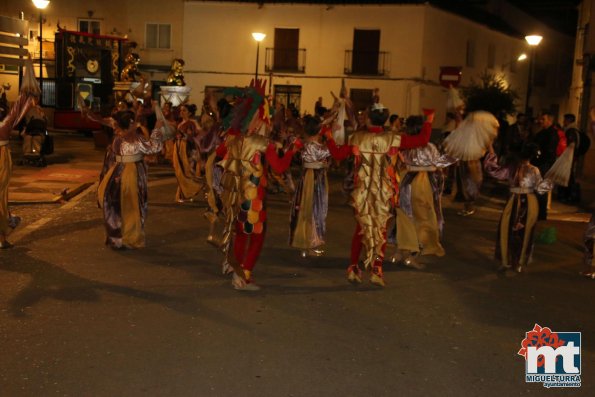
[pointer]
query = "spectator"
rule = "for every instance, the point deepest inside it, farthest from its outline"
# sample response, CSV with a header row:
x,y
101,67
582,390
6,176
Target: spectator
x,y
547,141
571,193
518,134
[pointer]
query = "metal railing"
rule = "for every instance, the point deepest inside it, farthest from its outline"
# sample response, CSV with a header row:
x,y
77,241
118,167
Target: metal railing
x,y
291,60
48,92
367,63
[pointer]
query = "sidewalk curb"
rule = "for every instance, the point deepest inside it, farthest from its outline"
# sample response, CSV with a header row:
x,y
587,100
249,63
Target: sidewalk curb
x,y
19,234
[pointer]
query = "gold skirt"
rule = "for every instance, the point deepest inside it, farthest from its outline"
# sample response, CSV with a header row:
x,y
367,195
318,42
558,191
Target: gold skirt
x,y
422,232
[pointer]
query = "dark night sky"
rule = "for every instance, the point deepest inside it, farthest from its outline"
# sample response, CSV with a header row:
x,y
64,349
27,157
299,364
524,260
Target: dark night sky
x,y
561,15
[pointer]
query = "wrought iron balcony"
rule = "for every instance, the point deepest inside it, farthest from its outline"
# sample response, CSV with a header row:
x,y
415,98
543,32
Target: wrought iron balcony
x,y
367,63
292,60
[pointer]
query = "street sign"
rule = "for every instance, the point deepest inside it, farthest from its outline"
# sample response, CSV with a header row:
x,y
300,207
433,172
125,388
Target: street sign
x,y
450,76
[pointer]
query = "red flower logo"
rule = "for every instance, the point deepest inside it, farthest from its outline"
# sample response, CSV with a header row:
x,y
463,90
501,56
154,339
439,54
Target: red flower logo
x,y
539,337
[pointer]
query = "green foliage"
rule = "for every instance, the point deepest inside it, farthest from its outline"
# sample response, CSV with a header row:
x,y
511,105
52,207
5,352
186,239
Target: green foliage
x,y
491,94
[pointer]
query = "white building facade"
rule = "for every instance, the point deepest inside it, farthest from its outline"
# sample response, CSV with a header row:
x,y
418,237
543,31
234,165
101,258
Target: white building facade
x,y
308,50
408,45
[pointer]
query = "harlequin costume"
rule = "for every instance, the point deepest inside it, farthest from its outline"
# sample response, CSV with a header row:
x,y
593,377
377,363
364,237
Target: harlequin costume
x,y
375,191
245,155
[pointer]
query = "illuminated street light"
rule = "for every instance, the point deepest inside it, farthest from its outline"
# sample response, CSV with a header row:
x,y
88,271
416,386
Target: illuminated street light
x,y
258,37
522,57
41,5
533,41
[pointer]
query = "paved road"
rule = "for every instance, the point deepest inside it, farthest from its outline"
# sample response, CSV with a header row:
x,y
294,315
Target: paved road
x,y
77,318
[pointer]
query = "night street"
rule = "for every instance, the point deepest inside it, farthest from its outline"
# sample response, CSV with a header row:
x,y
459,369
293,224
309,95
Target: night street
x,y
77,318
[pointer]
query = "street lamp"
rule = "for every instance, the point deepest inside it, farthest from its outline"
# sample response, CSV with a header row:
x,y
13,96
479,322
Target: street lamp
x,y
533,41
41,5
258,37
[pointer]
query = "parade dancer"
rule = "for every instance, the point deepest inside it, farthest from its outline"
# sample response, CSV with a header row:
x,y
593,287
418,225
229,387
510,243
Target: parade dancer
x,y
310,202
514,246
7,221
246,154
419,216
186,155
469,143
122,191
343,109
375,191
29,93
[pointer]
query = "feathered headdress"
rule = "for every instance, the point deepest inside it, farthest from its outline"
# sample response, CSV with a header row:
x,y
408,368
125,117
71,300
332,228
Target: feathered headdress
x,y
250,110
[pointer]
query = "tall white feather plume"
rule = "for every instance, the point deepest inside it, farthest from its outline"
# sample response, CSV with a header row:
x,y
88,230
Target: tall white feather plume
x,y
454,100
29,85
559,173
168,132
471,139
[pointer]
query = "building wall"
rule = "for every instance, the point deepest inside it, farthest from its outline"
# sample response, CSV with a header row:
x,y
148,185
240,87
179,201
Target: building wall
x,y
230,57
584,46
554,56
215,40
414,36
124,18
451,50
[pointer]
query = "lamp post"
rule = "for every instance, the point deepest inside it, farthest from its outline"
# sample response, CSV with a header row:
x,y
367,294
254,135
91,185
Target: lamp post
x,y
258,37
533,41
41,5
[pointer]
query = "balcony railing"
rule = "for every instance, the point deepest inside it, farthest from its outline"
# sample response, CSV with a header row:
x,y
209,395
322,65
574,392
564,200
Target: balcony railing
x,y
367,63
291,60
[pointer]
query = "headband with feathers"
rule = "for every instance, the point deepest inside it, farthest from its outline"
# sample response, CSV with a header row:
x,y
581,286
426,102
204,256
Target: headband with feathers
x,y
250,107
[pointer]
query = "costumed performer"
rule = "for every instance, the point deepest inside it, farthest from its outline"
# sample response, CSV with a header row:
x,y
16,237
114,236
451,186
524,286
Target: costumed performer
x,y
469,143
122,191
375,187
343,109
514,246
186,155
29,91
309,207
419,216
246,155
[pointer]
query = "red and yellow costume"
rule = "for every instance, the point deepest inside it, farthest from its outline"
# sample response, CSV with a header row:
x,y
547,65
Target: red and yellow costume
x,y
245,159
375,191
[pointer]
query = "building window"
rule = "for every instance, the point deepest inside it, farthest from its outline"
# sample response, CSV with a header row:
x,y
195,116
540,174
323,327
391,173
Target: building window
x,y
286,49
92,26
470,57
366,50
288,95
158,35
491,56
